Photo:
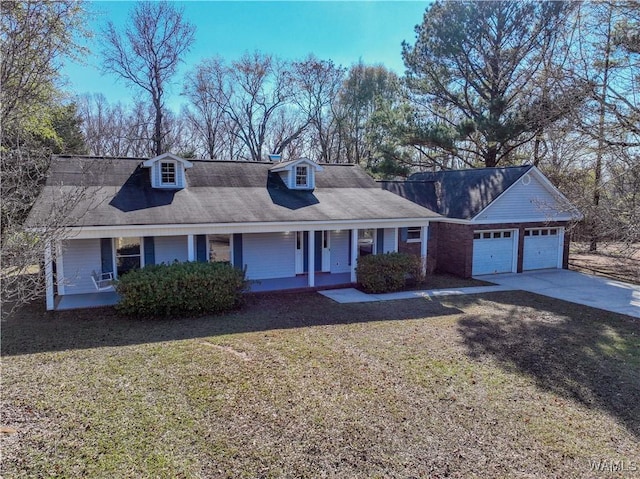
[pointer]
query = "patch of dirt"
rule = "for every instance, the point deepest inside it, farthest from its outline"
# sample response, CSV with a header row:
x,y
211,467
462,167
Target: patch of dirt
x,y
228,349
613,260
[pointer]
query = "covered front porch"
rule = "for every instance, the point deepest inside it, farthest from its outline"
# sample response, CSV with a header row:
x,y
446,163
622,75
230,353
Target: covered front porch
x,y
110,298
86,300
322,280
281,259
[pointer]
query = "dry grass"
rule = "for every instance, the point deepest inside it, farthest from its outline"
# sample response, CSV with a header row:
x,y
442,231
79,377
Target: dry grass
x,y
496,385
613,260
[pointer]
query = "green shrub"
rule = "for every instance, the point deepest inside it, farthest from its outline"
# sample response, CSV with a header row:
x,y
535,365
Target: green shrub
x,y
384,273
180,289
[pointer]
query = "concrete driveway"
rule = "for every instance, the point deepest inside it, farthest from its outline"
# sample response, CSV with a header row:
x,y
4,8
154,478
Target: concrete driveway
x,y
575,287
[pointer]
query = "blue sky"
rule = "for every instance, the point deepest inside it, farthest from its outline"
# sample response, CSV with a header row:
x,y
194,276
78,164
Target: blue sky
x,y
344,32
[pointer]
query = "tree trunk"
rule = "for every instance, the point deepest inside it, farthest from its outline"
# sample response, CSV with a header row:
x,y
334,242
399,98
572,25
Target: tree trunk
x,y
157,130
597,183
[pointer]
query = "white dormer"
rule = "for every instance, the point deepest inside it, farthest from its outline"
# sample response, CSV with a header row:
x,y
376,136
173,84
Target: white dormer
x,y
298,174
168,171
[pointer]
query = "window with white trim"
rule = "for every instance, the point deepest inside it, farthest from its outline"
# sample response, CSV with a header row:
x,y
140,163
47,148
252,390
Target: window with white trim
x,y
541,232
220,248
128,254
366,242
492,234
302,176
414,234
167,173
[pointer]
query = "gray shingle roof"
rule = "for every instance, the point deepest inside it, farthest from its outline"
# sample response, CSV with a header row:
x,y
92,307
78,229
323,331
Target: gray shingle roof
x,y
117,192
460,194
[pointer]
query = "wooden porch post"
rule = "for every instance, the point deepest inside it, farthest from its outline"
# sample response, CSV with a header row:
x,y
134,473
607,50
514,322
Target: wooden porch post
x,y
311,252
354,254
48,275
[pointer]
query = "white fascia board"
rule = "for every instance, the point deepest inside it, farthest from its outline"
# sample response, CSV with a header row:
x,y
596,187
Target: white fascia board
x,y
577,215
288,165
444,219
548,186
542,219
501,195
166,156
230,228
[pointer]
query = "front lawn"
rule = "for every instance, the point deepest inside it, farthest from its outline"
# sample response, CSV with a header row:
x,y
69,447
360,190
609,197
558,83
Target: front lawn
x,y
294,385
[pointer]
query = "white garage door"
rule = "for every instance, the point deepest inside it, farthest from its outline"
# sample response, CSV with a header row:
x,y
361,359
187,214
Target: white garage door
x,y
494,252
542,248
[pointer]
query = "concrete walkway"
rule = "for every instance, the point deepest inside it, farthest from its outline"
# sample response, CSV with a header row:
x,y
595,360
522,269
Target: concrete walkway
x,y
593,291
352,295
580,288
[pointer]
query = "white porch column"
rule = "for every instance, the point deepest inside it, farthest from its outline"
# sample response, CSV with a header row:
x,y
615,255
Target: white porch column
x,y
191,250
59,268
48,275
396,246
311,247
424,230
354,254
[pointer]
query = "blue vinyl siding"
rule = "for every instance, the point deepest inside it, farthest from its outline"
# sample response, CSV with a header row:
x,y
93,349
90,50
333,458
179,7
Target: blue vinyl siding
x,y
269,255
168,249
389,240
80,257
340,251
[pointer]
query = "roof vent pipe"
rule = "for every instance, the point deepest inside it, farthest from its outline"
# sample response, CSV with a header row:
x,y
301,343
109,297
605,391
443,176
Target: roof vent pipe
x,y
275,157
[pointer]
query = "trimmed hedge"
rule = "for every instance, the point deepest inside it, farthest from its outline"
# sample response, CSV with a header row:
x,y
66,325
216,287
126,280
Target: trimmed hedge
x,y
383,273
180,289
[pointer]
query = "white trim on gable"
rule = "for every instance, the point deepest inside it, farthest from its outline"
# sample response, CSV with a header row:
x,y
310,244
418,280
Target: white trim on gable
x,y
288,172
157,176
166,156
530,198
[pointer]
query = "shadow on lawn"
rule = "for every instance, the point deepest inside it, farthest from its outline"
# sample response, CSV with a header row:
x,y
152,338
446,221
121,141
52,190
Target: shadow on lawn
x,y
33,330
583,354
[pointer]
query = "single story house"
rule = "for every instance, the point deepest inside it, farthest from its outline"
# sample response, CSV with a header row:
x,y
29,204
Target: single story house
x,y
495,220
290,224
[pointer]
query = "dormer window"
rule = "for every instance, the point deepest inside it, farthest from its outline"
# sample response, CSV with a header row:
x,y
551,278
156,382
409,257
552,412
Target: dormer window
x,y
302,176
168,173
297,174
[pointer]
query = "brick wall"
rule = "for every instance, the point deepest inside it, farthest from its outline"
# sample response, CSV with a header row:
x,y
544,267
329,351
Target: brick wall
x,y
454,249
450,245
521,227
414,248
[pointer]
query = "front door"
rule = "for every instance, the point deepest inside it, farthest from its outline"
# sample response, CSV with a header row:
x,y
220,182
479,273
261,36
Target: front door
x,y
299,252
326,251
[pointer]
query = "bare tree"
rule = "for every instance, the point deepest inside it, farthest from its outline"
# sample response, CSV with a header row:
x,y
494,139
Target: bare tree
x,y
206,113
147,54
250,92
35,38
611,116
318,84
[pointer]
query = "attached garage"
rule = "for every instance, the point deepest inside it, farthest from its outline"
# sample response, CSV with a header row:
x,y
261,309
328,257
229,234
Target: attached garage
x,y
542,248
494,252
